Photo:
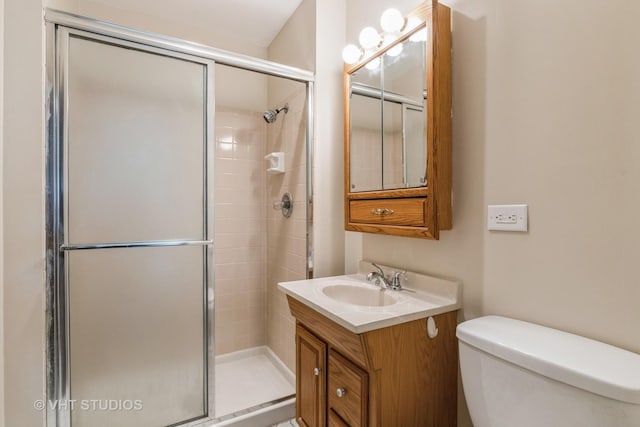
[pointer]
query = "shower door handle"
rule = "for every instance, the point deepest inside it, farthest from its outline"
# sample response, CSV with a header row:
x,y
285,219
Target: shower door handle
x,y
149,244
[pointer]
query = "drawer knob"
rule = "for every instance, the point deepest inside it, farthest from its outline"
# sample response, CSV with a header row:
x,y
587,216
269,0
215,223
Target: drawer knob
x,y
341,392
382,211
316,371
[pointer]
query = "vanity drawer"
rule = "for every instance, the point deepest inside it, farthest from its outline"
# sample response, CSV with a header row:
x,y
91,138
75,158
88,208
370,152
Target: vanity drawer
x,y
347,389
409,212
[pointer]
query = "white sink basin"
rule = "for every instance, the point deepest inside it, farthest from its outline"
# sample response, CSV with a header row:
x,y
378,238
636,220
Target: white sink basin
x,y
358,295
359,306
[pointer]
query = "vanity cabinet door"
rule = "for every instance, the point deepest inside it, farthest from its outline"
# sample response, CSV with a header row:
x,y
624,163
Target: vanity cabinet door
x,y
348,392
310,379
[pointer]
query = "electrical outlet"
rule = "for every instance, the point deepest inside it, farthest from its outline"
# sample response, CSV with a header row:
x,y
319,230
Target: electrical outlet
x,y
507,217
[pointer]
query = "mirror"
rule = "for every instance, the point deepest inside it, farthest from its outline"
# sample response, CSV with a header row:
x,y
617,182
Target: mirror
x,y
387,118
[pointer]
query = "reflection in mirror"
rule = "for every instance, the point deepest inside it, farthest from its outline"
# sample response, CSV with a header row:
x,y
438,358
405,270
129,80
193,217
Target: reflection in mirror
x,y
366,129
416,153
405,73
392,146
366,143
387,125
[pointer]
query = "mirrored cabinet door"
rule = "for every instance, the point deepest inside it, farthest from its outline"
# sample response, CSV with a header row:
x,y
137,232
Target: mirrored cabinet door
x,y
366,130
404,93
384,141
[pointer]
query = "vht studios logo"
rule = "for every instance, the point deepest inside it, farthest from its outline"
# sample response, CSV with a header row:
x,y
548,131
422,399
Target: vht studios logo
x,y
88,405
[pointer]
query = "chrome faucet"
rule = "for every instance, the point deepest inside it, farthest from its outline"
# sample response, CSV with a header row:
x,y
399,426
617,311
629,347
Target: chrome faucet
x,y
393,281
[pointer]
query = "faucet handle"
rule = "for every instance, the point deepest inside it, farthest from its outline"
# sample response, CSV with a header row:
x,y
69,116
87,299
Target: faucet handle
x,y
396,279
378,268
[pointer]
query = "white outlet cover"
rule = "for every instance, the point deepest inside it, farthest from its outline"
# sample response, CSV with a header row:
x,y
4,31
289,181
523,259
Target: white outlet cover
x,y
507,218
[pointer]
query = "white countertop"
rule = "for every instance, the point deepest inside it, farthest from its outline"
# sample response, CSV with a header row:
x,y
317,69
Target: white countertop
x,y
432,296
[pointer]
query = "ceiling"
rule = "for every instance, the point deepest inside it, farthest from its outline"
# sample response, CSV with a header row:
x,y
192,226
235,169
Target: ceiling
x,y
253,21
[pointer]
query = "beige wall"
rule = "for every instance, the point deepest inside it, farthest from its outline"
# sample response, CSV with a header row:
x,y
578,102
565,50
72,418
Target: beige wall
x,y
133,16
328,154
23,221
562,111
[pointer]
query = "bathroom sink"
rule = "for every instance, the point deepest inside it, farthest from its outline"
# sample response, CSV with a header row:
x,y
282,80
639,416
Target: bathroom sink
x,y
359,306
358,295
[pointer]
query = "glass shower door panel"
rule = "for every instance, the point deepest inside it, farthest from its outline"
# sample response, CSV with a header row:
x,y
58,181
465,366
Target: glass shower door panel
x,y
134,171
135,144
136,332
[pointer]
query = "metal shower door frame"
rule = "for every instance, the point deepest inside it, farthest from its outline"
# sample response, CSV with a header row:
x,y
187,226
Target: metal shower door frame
x,y
57,328
169,46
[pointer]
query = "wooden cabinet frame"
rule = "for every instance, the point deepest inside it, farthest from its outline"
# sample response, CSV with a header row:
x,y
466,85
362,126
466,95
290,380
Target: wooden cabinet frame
x,y
438,211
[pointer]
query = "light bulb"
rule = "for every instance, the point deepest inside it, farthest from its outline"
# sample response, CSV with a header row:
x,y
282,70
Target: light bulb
x,y
391,21
369,38
373,64
351,54
396,50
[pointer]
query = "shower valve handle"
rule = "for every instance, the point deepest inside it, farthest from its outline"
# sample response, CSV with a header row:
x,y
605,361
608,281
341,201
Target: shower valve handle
x,y
285,204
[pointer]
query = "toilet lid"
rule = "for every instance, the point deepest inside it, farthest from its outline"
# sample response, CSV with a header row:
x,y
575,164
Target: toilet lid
x,y
578,361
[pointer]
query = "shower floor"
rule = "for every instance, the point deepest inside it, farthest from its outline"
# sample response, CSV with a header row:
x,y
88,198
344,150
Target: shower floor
x,y
249,378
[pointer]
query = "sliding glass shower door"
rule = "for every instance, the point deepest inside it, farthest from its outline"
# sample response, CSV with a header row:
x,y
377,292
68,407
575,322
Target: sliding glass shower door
x,y
129,173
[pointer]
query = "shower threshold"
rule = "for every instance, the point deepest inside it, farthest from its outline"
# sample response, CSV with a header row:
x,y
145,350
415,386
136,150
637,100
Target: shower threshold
x,y
253,388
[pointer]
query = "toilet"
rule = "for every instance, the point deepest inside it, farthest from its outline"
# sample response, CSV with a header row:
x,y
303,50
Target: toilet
x,y
518,374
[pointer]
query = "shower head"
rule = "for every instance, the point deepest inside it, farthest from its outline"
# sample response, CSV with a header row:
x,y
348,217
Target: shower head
x,y
270,115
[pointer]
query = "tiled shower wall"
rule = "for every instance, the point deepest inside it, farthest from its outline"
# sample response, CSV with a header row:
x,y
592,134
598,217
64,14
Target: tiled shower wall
x,y
286,237
240,230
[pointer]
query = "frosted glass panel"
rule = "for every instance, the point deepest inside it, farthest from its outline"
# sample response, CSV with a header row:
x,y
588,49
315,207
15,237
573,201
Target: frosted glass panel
x,y
136,334
136,138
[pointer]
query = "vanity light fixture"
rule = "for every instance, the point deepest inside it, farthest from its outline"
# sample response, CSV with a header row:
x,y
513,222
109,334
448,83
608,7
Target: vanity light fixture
x,y
369,38
392,23
351,54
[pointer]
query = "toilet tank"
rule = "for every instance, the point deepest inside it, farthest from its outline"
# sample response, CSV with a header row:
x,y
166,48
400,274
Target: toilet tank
x,y
518,374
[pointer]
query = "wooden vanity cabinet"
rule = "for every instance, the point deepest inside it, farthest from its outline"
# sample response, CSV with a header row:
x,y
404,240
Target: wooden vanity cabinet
x,y
388,377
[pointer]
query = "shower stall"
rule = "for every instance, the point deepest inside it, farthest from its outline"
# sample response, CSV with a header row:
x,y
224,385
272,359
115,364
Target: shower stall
x,y
166,233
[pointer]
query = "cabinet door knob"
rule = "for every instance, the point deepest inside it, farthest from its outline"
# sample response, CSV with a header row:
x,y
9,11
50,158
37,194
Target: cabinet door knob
x,y
341,392
316,371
